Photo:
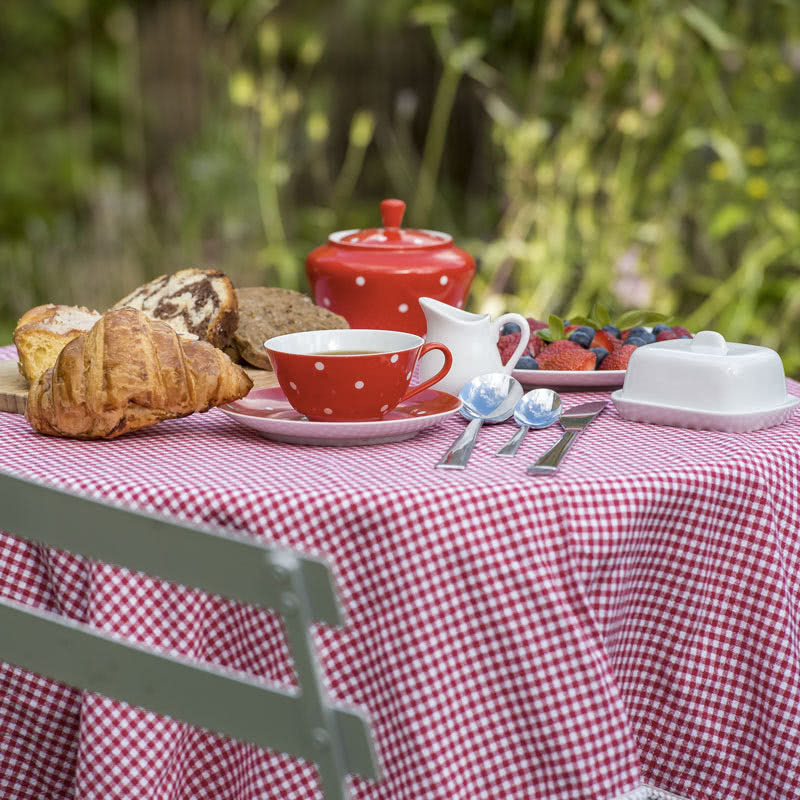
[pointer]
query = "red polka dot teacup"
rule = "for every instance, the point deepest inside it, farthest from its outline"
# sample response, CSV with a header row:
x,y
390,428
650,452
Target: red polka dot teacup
x,y
350,374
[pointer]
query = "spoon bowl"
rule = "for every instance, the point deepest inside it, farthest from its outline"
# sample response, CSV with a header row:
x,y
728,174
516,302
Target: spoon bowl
x,y
491,397
487,398
538,409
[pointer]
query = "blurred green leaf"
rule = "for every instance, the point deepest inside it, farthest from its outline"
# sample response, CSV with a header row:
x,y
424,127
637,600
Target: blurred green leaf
x,y
707,27
730,217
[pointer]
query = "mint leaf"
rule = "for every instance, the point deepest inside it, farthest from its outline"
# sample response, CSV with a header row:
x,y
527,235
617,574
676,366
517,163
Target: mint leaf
x,y
556,326
546,334
600,315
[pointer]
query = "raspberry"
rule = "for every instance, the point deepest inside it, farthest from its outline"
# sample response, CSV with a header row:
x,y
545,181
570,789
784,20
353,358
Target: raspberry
x,y
507,344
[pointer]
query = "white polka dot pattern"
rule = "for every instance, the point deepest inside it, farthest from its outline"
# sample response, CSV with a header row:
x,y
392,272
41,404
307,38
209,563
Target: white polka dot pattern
x,y
631,620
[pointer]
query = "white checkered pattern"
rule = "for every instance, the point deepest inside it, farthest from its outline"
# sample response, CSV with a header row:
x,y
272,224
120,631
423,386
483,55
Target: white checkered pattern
x,y
632,620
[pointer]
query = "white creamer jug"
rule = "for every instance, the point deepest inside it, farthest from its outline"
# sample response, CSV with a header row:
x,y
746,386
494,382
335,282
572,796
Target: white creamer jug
x,y
471,338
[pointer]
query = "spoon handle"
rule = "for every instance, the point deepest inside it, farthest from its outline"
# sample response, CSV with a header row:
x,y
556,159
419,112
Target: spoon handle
x,y
512,445
461,449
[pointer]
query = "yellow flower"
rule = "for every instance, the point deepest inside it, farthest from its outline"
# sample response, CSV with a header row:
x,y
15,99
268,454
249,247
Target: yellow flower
x,y
757,156
317,126
362,127
311,50
782,73
756,187
719,171
629,122
242,89
269,39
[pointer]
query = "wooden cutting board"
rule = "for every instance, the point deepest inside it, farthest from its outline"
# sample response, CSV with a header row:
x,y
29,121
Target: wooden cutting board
x,y
14,389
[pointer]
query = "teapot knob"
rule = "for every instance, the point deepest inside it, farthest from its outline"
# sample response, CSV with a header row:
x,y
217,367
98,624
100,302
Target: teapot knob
x,y
392,213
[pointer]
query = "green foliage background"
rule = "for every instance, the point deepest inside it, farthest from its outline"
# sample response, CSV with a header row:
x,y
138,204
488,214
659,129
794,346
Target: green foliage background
x,y
643,153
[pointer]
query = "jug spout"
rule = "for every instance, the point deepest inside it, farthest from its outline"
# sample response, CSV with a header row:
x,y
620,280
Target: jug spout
x,y
437,310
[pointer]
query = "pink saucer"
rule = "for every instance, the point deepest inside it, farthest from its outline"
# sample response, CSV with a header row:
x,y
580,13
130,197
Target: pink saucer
x,y
267,411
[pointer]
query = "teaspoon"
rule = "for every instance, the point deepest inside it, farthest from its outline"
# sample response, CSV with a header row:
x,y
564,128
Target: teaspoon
x,y
486,398
539,408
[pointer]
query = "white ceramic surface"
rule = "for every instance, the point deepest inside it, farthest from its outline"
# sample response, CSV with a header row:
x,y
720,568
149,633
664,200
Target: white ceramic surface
x,y
472,341
565,379
679,417
268,412
708,374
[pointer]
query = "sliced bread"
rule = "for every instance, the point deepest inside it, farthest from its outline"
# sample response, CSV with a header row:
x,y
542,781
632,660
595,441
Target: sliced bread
x,y
266,312
195,301
43,332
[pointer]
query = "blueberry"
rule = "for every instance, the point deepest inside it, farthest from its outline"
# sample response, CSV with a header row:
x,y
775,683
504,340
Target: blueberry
x,y
601,353
660,327
527,362
510,327
613,330
581,337
636,341
637,331
588,330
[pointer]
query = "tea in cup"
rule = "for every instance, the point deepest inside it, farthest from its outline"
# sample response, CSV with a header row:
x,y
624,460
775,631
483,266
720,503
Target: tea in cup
x,y
348,375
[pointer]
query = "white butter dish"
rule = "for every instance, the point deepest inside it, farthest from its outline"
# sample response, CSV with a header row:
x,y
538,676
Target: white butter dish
x,y
705,383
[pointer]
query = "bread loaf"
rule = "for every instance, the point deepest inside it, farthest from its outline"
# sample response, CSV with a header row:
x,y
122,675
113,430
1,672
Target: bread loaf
x,y
198,301
42,333
267,312
129,372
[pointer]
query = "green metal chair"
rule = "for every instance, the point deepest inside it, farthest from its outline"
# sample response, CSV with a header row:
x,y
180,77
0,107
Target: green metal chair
x,y
301,723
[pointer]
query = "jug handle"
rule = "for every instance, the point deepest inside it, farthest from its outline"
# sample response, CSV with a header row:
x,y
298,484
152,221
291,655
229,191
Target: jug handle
x,y
523,339
448,361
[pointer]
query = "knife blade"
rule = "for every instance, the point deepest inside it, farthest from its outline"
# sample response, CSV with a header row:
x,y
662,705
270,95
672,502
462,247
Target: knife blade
x,y
573,421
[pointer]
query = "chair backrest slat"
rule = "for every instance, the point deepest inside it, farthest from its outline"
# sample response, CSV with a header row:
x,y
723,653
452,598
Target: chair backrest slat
x,y
227,564
302,723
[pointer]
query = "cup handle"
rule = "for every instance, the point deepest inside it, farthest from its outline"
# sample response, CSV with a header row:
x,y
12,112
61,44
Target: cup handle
x,y
523,339
448,360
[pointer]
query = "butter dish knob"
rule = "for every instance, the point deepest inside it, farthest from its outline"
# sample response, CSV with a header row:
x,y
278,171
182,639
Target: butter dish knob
x,y
709,342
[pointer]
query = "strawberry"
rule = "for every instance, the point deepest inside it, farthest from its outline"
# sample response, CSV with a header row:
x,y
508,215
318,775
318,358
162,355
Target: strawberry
x,y
681,331
535,345
603,339
573,358
558,346
507,344
663,336
618,358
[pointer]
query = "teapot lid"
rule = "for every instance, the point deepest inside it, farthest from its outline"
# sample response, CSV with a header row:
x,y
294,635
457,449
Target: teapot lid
x,y
391,236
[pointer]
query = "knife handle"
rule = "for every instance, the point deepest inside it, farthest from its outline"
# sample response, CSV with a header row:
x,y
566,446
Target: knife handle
x,y
461,449
549,462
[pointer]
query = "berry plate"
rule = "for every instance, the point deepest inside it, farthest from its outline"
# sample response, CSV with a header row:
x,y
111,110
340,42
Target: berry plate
x,y
267,411
564,379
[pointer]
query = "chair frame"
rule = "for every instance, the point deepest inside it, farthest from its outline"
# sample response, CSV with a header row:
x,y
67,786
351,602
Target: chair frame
x,y
299,587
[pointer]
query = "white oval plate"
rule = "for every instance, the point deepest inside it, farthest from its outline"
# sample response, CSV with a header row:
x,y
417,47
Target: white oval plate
x,y
566,379
730,422
268,412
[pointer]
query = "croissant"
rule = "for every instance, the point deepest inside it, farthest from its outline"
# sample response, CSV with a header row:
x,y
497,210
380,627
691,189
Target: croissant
x,y
129,372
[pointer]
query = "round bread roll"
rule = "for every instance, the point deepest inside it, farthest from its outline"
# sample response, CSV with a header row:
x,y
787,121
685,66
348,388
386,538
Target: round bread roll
x,y
266,312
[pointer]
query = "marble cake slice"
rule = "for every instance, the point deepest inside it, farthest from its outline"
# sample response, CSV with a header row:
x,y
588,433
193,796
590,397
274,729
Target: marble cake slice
x,y
194,301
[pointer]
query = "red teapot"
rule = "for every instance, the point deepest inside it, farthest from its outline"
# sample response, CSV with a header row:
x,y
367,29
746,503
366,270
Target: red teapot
x,y
375,277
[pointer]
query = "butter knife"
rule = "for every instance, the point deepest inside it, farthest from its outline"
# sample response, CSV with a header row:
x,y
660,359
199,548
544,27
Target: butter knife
x,y
573,422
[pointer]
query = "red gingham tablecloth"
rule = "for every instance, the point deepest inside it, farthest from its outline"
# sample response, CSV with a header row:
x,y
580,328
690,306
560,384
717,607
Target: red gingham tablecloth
x,y
631,622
